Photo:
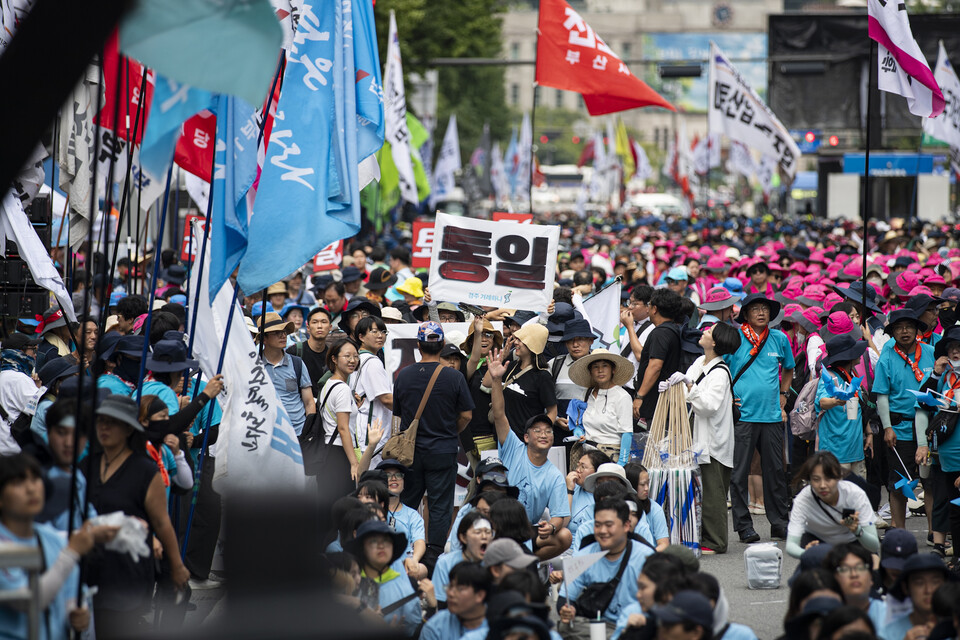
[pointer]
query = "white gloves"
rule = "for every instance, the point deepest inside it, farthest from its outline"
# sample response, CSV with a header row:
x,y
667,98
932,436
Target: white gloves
x,y
675,378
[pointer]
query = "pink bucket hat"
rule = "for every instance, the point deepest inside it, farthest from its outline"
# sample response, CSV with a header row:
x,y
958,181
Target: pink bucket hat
x,y
715,264
903,282
839,323
813,295
831,300
718,298
808,318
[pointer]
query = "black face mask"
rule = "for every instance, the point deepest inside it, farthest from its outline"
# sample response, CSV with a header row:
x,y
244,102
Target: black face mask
x,y
948,317
128,369
157,430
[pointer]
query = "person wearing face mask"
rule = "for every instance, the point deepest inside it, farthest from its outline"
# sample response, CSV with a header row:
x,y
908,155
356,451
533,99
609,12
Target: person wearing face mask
x,y
577,338
165,452
474,534
943,437
829,509
125,354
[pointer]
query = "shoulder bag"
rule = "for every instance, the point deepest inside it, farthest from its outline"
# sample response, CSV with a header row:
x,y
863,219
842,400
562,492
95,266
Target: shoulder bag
x,y
596,597
401,446
736,407
312,445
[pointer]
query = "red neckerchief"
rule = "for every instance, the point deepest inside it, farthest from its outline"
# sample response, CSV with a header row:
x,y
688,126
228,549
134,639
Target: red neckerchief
x,y
130,385
926,338
953,382
755,340
155,455
913,365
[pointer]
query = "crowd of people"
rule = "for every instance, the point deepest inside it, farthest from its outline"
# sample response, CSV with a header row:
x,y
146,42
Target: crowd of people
x,y
821,390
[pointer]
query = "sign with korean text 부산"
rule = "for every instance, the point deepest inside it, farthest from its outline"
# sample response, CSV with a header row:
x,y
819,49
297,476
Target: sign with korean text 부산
x,y
496,264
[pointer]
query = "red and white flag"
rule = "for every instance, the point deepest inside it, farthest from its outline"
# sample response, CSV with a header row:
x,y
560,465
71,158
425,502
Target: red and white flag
x,y
902,67
573,57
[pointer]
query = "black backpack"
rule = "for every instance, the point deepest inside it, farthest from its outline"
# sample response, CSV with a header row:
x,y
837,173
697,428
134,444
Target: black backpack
x,y
690,348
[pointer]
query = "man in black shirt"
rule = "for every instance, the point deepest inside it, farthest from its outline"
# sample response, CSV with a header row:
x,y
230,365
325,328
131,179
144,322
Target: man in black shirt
x,y
313,352
660,357
446,413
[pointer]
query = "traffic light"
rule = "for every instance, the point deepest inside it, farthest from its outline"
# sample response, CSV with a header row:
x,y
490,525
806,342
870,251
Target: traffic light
x,y
810,137
833,140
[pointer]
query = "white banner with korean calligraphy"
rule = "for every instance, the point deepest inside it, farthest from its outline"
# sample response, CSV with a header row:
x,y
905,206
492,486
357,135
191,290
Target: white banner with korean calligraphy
x,y
496,264
400,348
737,111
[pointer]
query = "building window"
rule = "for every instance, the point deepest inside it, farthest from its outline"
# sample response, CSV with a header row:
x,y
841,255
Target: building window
x,y
514,94
558,101
625,51
514,50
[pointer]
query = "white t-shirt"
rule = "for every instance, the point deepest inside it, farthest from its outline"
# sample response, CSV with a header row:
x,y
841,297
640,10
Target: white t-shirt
x,y
642,337
812,515
340,400
17,392
566,388
608,416
712,402
370,381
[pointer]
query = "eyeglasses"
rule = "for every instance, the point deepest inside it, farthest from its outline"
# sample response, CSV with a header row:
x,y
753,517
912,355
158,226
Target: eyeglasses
x,y
857,568
541,431
395,476
349,357
378,332
488,334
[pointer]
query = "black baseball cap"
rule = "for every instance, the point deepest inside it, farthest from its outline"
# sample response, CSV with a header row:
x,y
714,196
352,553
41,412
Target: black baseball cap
x,y
19,342
686,606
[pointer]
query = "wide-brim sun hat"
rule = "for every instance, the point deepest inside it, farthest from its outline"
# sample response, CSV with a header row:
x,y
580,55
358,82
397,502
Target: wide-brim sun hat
x,y
169,356
533,336
606,470
903,315
580,370
272,322
122,408
467,344
375,527
950,335
718,298
753,298
844,348
412,287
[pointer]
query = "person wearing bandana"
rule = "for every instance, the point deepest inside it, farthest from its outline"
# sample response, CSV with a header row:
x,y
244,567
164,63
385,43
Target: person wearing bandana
x,y
762,368
904,365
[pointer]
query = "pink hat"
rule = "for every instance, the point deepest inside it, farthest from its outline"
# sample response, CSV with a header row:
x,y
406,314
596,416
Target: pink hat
x,y
811,278
953,253
853,270
138,323
718,298
903,282
921,290
813,295
925,273
799,267
773,266
818,256
790,309
809,319
831,300
839,323
935,259
715,263
935,279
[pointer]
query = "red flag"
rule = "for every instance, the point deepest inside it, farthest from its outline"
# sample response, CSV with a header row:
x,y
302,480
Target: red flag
x,y
571,56
131,80
196,145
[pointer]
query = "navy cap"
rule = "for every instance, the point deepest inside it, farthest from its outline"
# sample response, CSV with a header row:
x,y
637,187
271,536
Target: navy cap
x,y
897,546
56,369
686,606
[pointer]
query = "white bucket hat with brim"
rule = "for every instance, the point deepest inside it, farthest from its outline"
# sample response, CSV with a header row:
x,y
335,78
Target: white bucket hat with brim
x,y
606,470
580,369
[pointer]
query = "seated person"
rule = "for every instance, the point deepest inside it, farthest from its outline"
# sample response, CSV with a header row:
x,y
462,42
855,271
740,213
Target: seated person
x,y
475,534
402,518
466,604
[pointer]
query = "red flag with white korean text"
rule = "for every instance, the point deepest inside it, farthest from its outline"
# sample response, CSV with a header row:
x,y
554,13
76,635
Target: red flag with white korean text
x,y
130,83
196,144
573,57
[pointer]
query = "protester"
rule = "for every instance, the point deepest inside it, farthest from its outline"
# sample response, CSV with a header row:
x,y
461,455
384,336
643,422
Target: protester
x,y
480,427
313,350
288,373
528,389
660,357
920,578
339,468
581,500
474,533
576,339
466,609
405,520
839,432
851,564
370,385
608,414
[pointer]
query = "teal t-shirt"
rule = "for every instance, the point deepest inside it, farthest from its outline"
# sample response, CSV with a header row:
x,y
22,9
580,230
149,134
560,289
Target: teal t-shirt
x,y
949,449
759,386
894,378
162,391
839,435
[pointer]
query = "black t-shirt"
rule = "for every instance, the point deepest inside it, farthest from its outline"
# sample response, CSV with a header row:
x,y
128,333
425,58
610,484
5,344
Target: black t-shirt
x,y
316,362
437,432
480,424
663,343
526,396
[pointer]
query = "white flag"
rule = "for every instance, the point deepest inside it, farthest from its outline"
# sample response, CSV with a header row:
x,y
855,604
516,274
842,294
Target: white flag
x,y
765,172
257,449
575,565
525,153
448,163
706,154
75,157
395,116
740,160
15,226
901,66
603,312
946,126
599,185
737,111
644,170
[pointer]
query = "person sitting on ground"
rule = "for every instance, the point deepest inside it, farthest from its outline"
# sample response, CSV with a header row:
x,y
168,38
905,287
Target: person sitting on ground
x,y
492,484
405,520
581,500
652,517
474,534
897,546
843,622
708,585
829,509
466,604
922,575
578,602
504,556
852,564
540,483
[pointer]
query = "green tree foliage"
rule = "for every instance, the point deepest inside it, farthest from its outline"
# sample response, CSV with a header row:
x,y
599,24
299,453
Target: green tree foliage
x,y
462,29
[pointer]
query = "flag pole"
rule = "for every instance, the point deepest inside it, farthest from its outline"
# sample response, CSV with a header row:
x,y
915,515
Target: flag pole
x,y
916,179
865,205
533,112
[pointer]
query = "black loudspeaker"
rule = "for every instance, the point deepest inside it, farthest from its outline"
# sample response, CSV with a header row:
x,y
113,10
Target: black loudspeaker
x,y
40,209
24,304
14,273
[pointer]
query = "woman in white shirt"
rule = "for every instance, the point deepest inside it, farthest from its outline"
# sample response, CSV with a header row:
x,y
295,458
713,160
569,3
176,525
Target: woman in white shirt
x,y
829,509
711,397
609,412
371,386
340,468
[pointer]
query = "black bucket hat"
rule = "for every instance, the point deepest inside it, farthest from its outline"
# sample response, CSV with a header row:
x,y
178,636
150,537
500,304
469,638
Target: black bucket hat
x,y
901,315
375,527
354,305
950,335
916,564
131,345
854,293
380,279
773,305
170,355
56,369
577,328
844,348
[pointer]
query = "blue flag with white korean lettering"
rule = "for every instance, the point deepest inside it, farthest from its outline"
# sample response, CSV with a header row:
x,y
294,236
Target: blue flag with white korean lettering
x,y
235,169
369,83
308,194
173,104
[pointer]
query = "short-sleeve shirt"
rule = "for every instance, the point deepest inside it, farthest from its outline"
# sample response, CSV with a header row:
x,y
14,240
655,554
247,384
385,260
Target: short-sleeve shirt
x,y
581,508
446,626
316,362
370,381
113,384
407,521
437,430
838,434
338,400
657,522
480,424
441,572
527,395
759,386
894,378
604,571
284,376
663,343
540,487
162,391
811,515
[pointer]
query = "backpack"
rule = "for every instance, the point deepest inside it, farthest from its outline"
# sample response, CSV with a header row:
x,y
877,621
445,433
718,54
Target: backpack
x,y
805,418
690,348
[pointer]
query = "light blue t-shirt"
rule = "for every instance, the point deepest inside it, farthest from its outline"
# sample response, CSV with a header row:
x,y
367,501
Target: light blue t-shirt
x,y
441,573
453,541
13,624
408,521
39,422
656,522
739,632
838,434
162,391
625,614
446,626
582,508
540,487
113,384
894,378
481,634
605,571
877,612
394,590
759,386
284,378
950,448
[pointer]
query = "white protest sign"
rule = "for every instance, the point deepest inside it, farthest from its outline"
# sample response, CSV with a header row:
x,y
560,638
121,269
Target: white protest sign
x,y
946,126
499,264
603,310
400,348
735,109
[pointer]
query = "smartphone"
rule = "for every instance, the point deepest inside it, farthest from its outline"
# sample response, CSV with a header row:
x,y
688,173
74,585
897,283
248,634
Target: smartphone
x,y
847,513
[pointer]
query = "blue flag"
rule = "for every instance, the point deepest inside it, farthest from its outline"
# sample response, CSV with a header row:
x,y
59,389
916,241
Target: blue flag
x,y
369,83
234,172
173,104
308,195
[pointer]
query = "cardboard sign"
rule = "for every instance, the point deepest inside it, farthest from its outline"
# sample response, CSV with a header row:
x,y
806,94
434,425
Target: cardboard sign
x,y
522,218
329,258
422,245
498,264
187,251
